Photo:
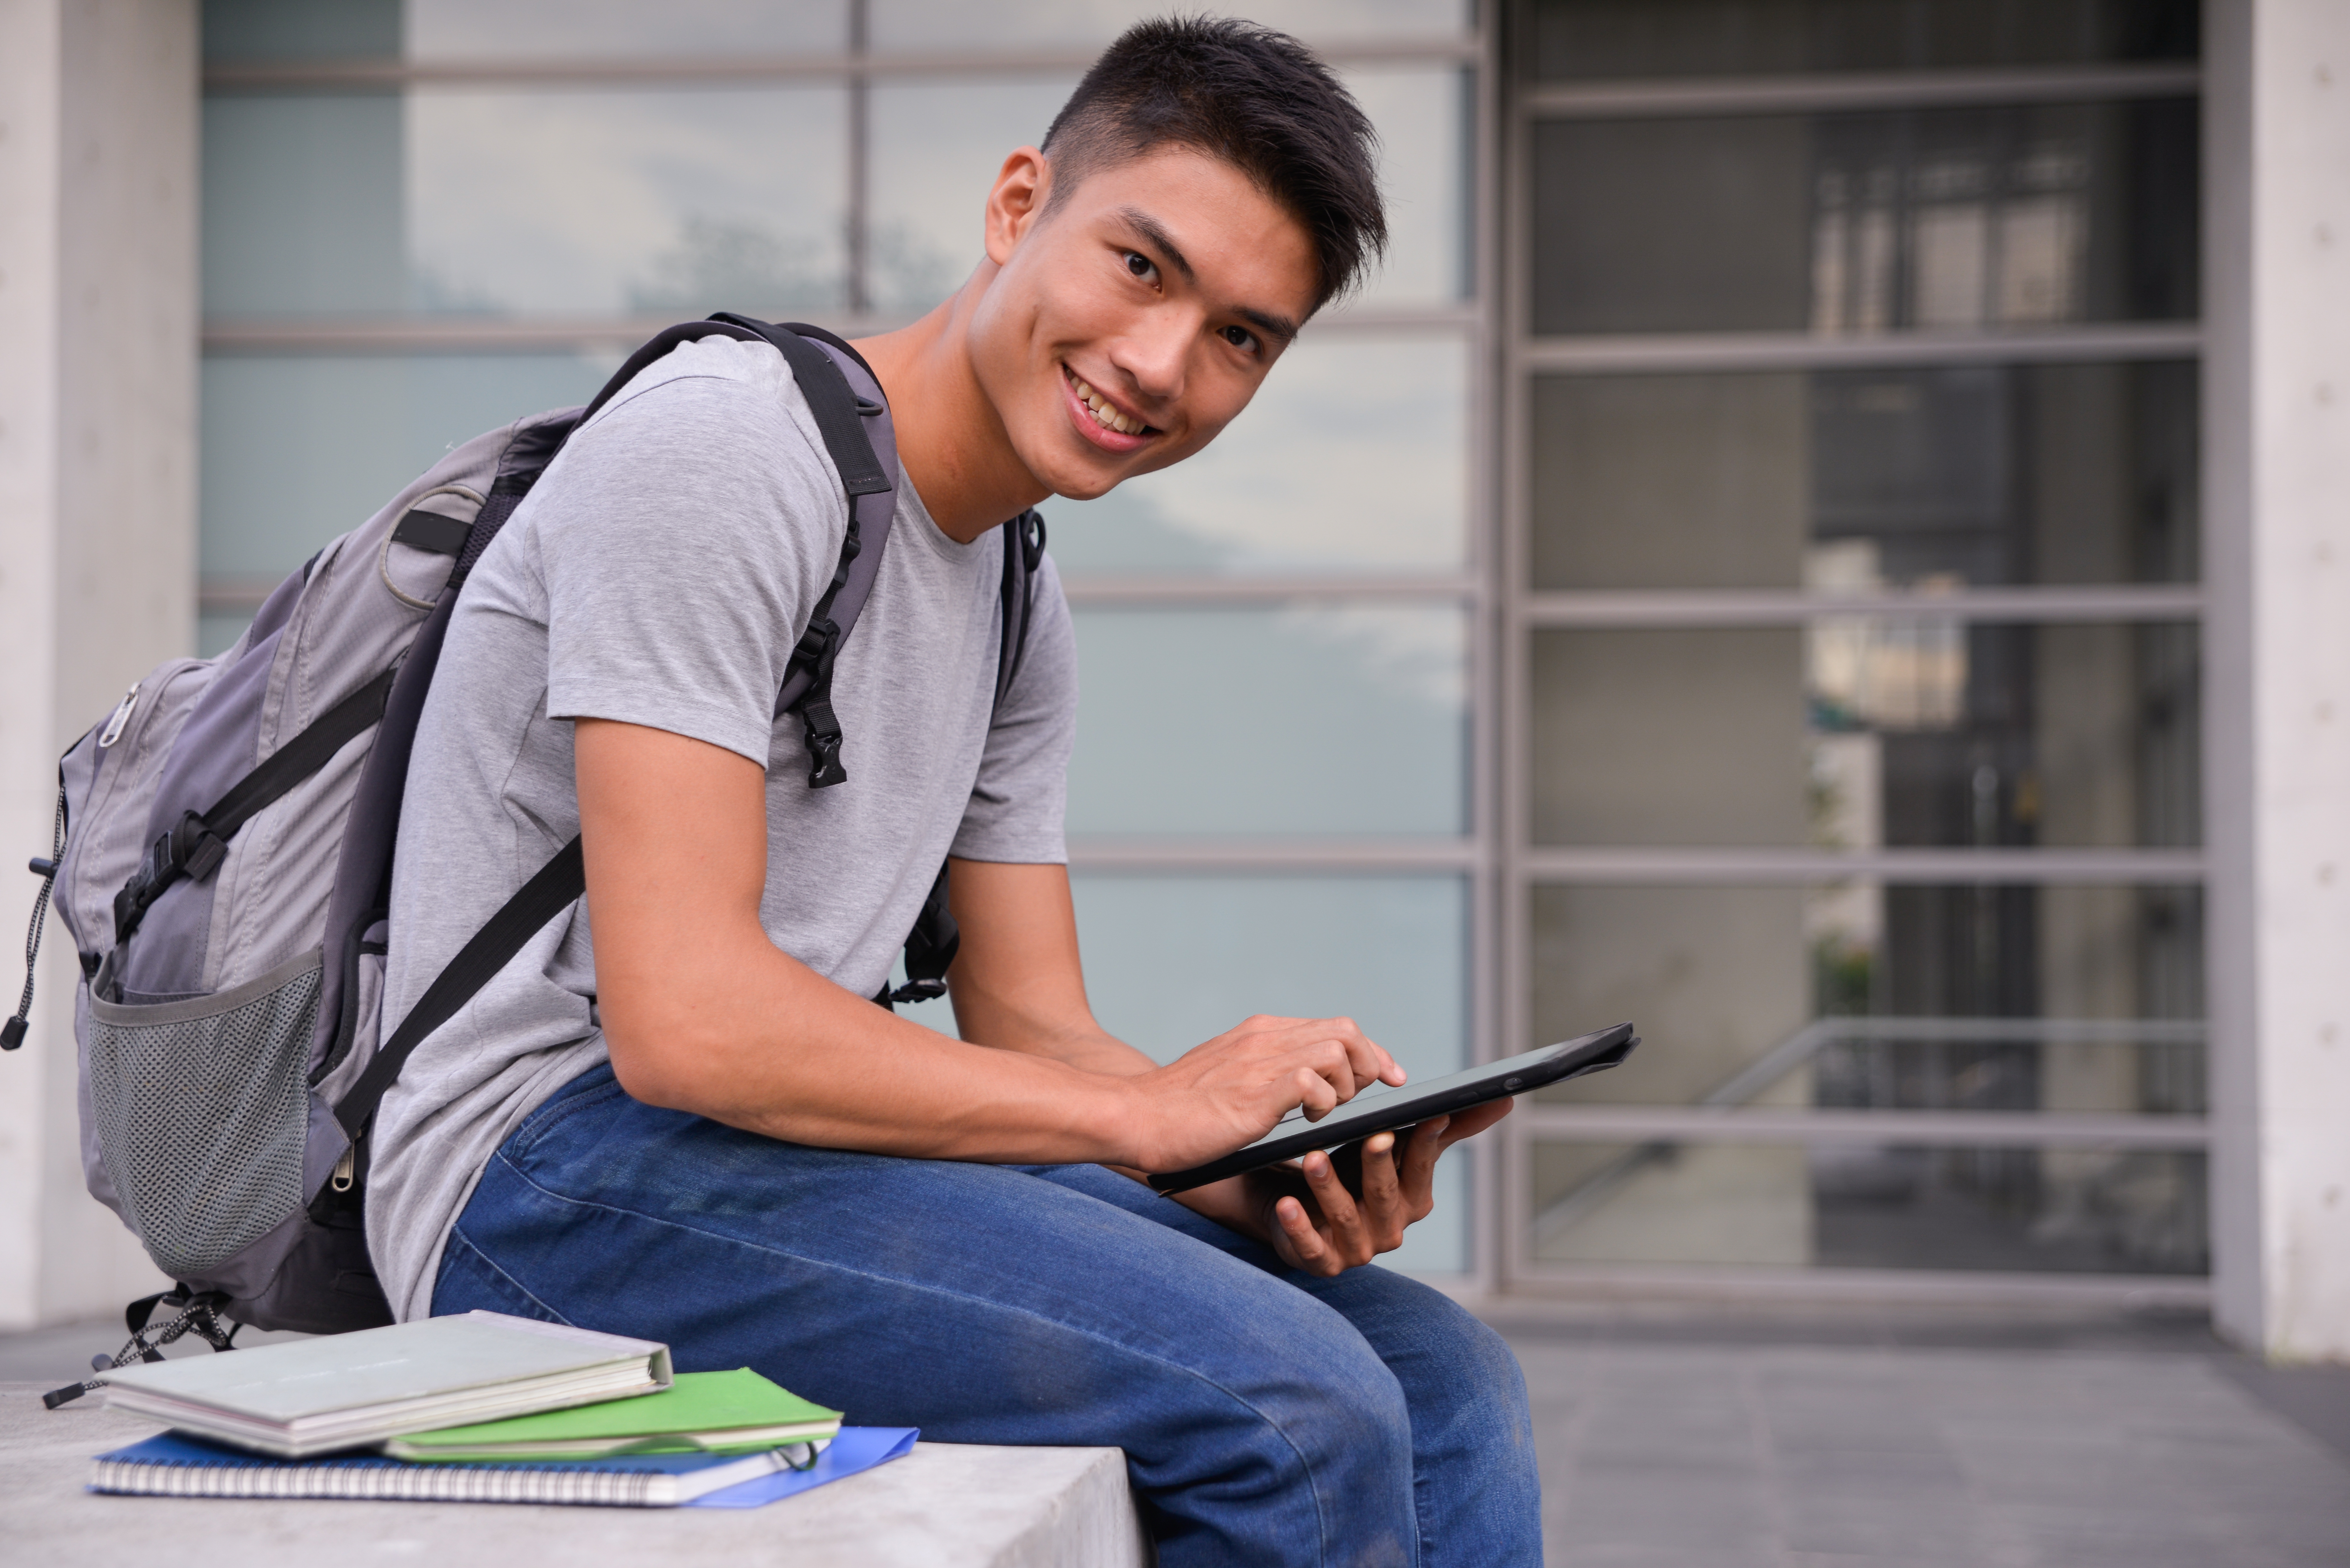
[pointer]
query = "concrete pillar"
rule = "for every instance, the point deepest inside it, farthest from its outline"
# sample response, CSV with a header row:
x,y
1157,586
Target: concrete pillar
x,y
2278,673
98,528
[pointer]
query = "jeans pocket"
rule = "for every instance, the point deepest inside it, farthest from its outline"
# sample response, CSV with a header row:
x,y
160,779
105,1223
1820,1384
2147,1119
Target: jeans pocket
x,y
200,1110
595,1086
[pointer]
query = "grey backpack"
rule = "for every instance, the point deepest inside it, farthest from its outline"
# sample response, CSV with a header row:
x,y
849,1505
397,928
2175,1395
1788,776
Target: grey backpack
x,y
223,860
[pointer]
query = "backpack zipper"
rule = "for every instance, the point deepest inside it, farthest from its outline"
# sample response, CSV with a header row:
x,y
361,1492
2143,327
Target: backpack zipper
x,y
119,717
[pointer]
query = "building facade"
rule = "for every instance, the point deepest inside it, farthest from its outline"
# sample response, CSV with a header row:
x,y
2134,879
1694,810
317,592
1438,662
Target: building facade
x,y
1818,541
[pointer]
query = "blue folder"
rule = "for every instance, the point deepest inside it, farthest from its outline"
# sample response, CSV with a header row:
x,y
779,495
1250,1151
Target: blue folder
x,y
854,1449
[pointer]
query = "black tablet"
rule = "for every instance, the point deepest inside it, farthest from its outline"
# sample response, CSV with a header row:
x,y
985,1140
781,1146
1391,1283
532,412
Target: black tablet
x,y
1383,1108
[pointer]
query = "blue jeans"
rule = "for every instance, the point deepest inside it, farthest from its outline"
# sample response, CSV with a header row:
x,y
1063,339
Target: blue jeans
x,y
1267,1416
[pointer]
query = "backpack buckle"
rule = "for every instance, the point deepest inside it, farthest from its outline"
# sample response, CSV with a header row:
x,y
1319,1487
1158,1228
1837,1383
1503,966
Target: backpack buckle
x,y
815,647
826,758
196,848
192,850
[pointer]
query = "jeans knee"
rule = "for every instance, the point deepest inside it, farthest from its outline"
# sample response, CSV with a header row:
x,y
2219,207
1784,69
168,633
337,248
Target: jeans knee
x,y
1340,1413
1465,1387
1490,1367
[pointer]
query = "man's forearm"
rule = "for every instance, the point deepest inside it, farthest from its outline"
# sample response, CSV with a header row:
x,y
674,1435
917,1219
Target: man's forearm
x,y
1017,983
1087,1047
790,1054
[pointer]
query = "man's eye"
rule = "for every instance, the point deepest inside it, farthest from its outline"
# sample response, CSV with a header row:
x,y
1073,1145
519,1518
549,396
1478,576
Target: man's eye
x,y
1138,263
1239,337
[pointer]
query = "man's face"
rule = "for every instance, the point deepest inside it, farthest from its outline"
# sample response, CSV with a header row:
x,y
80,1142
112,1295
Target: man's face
x,y
1129,326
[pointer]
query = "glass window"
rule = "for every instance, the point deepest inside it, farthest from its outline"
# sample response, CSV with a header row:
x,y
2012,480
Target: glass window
x,y
533,30
1174,960
550,201
1309,719
929,25
1573,39
1424,118
301,205
536,29
1910,732
1872,1205
936,148
1352,458
1946,219
1864,480
299,448
276,30
1861,995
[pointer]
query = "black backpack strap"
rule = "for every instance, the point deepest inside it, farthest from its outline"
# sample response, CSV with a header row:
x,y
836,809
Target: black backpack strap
x,y
842,415
1023,552
194,847
929,949
556,887
931,945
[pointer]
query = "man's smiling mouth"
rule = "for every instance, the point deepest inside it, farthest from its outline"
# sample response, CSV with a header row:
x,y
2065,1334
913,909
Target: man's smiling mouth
x,y
1104,411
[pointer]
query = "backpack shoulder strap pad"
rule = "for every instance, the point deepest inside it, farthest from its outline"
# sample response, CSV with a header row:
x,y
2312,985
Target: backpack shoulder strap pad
x,y
852,415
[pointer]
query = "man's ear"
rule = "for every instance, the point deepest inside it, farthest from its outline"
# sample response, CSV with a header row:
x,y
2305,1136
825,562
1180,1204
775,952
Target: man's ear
x,y
1021,188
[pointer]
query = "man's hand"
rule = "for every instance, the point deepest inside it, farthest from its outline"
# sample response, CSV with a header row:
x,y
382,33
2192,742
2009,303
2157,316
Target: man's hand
x,y
1304,1213
1235,1089
1017,987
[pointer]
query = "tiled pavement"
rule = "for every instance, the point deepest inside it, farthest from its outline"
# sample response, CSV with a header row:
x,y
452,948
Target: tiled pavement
x,y
1733,1445
1804,1441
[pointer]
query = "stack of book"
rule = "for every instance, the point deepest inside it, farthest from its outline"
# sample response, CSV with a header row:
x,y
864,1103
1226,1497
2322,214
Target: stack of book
x,y
479,1407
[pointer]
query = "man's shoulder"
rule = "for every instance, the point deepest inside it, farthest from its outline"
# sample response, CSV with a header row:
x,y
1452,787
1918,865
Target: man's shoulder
x,y
718,419
715,381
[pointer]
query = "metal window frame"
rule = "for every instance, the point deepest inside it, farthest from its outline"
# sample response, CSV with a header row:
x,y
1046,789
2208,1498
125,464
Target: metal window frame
x,y
1825,93
1522,612
331,76
279,337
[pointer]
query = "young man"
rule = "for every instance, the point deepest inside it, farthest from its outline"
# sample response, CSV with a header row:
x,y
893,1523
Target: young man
x,y
697,1128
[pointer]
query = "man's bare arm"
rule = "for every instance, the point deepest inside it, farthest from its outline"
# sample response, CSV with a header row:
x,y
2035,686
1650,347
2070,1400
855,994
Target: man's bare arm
x,y
1017,983
702,1012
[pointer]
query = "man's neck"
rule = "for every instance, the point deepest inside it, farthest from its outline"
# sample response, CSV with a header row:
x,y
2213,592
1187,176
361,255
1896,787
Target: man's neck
x,y
951,442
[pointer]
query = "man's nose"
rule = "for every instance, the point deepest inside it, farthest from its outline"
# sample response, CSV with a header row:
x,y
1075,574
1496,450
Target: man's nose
x,y
1155,353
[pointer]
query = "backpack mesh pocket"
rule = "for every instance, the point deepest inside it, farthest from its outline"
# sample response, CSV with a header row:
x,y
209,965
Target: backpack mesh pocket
x,y
200,1110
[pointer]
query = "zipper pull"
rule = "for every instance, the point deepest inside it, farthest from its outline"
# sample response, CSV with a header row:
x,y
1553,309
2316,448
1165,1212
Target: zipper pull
x,y
119,717
341,1180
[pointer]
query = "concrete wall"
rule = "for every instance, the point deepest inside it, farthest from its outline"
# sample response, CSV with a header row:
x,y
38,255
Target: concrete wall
x,y
98,534
2278,538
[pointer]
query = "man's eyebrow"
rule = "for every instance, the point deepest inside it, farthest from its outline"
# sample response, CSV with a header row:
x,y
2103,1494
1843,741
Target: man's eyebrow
x,y
1154,235
1272,326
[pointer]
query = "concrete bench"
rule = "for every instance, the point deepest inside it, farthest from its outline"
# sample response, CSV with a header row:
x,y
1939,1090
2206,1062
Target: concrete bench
x,y
942,1506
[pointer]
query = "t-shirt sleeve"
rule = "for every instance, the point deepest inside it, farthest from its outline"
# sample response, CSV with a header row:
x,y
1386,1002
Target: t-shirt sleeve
x,y
1020,803
690,531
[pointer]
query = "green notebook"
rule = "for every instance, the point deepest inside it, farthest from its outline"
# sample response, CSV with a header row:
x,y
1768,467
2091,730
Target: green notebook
x,y
707,1412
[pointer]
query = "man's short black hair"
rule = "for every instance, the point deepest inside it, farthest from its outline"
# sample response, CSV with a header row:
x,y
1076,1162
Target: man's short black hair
x,y
1256,98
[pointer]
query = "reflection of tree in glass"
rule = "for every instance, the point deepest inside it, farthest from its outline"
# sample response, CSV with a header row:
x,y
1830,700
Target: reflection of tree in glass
x,y
431,291
726,265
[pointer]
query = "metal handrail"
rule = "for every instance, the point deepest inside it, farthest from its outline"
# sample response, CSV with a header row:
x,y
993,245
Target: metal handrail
x,y
1740,1087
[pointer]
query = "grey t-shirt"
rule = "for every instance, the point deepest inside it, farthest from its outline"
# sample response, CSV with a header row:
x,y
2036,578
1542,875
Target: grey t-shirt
x,y
659,574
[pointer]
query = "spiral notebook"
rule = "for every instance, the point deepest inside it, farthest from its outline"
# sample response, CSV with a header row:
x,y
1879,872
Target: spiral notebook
x,y
177,1464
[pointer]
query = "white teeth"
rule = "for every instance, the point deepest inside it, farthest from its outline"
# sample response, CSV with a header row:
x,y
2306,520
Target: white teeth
x,y
1104,412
